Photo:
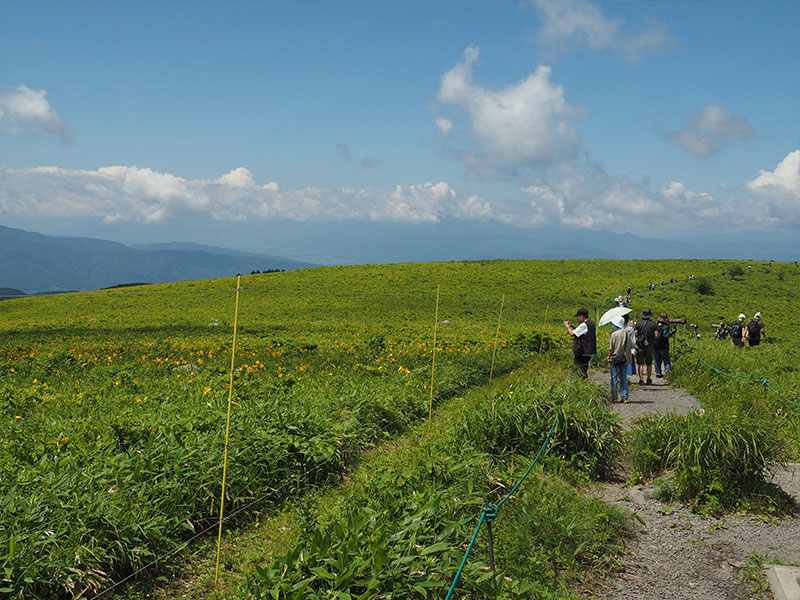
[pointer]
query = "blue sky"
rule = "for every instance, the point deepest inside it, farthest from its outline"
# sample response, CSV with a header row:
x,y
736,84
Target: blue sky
x,y
573,113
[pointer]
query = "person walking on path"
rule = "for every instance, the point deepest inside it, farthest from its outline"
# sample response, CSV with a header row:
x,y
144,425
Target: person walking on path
x,y
584,343
645,331
755,330
619,354
737,332
632,350
661,345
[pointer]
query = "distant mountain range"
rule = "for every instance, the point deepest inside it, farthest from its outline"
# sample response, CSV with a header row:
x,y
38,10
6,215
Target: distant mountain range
x,y
36,263
355,242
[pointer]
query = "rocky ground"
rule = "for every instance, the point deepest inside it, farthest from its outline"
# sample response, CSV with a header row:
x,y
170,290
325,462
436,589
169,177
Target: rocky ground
x,y
675,554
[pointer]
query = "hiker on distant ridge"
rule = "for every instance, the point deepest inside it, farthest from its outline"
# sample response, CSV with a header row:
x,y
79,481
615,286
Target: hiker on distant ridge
x,y
755,330
645,335
584,343
737,332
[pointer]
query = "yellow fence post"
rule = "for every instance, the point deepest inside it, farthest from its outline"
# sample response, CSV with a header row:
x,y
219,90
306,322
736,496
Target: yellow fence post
x,y
227,427
496,335
433,362
544,324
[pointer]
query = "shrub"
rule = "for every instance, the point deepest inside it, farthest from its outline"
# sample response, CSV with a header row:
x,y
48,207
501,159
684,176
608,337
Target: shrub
x,y
736,271
704,287
587,436
718,459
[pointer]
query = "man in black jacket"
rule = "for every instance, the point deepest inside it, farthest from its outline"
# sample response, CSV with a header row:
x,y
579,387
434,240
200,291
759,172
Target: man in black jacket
x,y
584,343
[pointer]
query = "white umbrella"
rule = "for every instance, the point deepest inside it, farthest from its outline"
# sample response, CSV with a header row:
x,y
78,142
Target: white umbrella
x,y
614,312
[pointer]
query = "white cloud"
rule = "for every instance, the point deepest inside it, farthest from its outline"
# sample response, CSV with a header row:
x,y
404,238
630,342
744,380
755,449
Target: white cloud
x,y
587,197
238,178
785,179
775,195
525,123
700,207
709,129
120,194
23,110
569,23
445,125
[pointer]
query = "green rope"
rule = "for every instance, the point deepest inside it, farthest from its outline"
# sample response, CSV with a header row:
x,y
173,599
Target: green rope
x,y
713,368
764,382
464,560
519,483
490,511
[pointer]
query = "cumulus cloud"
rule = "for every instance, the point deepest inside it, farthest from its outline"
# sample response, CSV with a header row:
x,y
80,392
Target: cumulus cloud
x,y
698,207
709,129
776,194
785,179
119,194
525,123
570,23
23,110
585,196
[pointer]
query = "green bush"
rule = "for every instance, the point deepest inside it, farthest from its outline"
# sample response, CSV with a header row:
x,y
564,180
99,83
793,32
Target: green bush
x,y
704,287
587,435
718,460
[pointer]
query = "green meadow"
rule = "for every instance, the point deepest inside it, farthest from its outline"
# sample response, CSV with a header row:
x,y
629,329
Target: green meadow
x,y
114,406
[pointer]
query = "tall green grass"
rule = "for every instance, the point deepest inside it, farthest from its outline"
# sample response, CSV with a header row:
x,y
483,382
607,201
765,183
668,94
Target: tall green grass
x,y
718,460
406,537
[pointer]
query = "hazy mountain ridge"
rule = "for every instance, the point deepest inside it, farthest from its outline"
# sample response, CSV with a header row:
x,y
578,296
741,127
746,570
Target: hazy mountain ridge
x,y
354,242
39,263
36,263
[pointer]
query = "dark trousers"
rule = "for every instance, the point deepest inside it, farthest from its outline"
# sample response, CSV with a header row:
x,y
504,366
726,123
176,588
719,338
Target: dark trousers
x,y
582,364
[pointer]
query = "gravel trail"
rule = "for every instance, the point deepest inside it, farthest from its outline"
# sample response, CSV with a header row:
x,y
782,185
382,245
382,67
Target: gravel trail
x,y
677,555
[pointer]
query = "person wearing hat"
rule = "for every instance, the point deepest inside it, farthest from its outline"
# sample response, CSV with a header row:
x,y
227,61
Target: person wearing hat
x,y
645,331
584,343
737,332
754,331
661,345
619,353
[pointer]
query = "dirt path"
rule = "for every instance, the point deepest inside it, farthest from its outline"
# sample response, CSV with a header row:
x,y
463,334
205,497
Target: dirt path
x,y
677,555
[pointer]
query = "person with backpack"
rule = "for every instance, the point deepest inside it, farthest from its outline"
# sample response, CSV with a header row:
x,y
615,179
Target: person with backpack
x,y
645,331
661,345
737,332
619,353
755,330
584,344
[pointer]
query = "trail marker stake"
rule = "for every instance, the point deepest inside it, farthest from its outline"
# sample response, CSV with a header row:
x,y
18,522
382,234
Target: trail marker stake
x,y
433,363
227,428
544,324
491,552
496,335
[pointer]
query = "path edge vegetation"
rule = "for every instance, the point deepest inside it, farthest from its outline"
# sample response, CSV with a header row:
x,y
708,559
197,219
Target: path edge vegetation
x,y
587,534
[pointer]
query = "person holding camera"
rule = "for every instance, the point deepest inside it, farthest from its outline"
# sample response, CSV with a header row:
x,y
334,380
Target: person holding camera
x,y
661,345
584,343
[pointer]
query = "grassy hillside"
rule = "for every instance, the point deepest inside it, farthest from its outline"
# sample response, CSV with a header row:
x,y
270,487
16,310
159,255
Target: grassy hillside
x,y
115,401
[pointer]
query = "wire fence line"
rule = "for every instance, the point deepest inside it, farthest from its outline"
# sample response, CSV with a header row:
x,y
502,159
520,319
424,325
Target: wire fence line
x,y
765,382
491,511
